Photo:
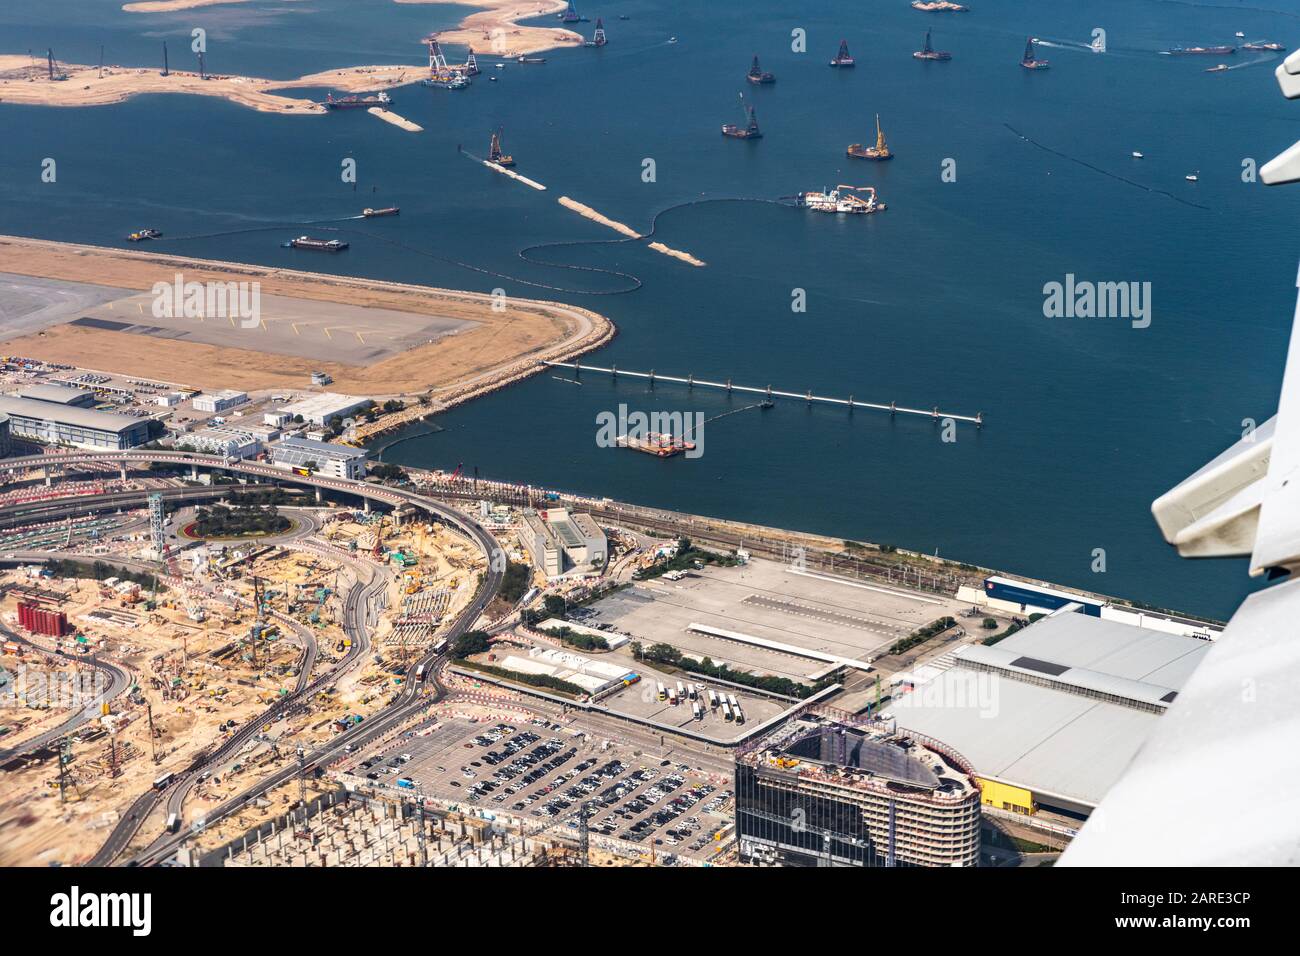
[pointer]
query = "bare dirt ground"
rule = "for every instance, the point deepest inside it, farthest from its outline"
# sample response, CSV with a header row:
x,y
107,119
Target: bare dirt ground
x,y
502,347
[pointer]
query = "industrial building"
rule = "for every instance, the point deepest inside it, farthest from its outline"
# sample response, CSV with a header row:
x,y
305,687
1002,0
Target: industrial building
x,y
1026,597
219,401
1051,716
826,788
60,395
560,542
54,424
335,461
323,408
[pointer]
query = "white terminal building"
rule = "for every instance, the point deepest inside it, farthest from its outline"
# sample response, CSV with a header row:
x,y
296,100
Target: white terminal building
x,y
227,442
560,542
321,409
219,401
595,677
334,461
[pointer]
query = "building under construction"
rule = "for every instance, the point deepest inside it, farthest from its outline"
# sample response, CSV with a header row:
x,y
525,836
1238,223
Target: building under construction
x,y
830,789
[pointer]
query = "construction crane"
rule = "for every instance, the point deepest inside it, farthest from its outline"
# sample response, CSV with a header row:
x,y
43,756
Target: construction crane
x,y
166,71
49,57
494,151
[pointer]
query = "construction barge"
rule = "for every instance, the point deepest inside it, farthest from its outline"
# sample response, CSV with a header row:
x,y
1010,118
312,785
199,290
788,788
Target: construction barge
x,y
1029,61
843,58
657,444
757,75
381,100
749,131
930,53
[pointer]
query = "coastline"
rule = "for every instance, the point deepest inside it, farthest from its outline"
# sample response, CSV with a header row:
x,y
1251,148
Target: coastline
x,y
500,348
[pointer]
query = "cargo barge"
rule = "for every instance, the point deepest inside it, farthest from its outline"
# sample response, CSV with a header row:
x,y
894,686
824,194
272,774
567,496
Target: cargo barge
x,y
657,444
386,211
749,131
1264,47
356,102
1200,50
317,245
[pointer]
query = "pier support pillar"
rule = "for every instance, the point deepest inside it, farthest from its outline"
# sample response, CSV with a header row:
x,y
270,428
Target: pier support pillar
x,y
613,372
652,378
979,419
891,409
809,396
690,380
124,471
729,386
365,505
850,404
48,482
194,472
318,495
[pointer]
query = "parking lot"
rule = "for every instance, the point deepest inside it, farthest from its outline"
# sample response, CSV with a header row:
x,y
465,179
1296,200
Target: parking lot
x,y
538,769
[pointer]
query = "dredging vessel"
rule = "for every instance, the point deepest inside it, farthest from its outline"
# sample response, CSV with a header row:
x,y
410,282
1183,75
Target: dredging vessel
x,y
841,199
494,152
316,245
878,152
757,74
1029,61
929,52
356,102
843,58
654,443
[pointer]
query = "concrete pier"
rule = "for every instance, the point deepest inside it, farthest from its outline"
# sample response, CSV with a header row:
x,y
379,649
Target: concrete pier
x,y
768,392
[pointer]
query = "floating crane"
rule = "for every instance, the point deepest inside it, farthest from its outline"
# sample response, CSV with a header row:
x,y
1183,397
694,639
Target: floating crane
x,y
750,130
598,37
757,74
843,58
570,14
1028,61
930,53
879,152
494,152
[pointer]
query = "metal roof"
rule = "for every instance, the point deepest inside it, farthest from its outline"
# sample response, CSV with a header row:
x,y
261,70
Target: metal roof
x,y
60,394
69,415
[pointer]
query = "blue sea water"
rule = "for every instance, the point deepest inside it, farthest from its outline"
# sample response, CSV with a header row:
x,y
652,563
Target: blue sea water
x,y
937,301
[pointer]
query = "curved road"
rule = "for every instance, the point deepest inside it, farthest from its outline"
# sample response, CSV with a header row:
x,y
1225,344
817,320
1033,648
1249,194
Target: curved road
x,y
358,614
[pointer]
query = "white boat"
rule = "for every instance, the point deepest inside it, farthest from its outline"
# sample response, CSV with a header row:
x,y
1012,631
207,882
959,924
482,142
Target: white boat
x,y
841,199
1193,177
1239,35
1136,154
672,39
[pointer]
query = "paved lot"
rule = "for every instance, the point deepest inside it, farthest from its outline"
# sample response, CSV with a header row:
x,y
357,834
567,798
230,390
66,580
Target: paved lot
x,y
854,619
534,770
29,304
324,331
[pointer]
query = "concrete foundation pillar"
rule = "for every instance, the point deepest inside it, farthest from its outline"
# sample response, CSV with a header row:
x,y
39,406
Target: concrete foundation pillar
x,y
194,472
318,496
48,482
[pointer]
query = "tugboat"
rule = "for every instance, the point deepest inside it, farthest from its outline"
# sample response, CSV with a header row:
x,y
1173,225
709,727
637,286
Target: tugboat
x,y
843,58
879,152
494,152
749,131
841,200
930,53
143,234
756,73
1028,61
356,102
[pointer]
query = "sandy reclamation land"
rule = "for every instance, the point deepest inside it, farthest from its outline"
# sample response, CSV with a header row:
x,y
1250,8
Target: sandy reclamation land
x,y
502,346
